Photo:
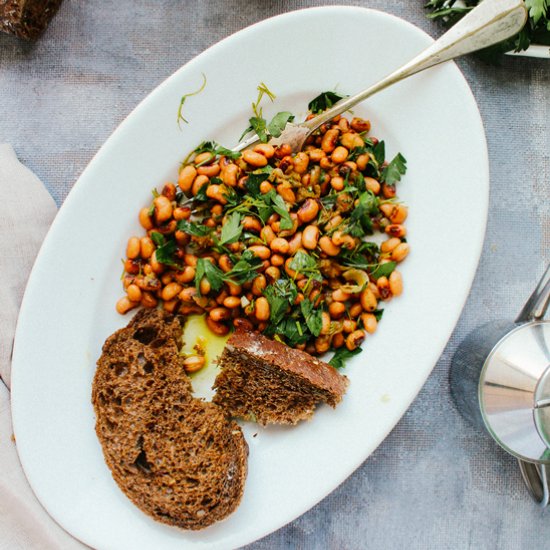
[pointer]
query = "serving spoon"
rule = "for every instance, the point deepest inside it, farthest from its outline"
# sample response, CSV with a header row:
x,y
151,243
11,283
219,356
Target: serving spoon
x,y
487,24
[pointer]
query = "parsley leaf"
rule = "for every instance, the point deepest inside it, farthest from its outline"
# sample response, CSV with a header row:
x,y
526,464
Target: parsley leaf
x,y
280,295
278,123
232,229
313,317
323,101
231,196
245,270
255,179
342,355
290,324
165,253
378,314
360,222
537,9
259,126
379,151
157,238
205,147
361,257
355,152
359,182
392,173
216,149
280,207
224,152
257,123
292,331
213,274
194,229
383,270
305,264
201,194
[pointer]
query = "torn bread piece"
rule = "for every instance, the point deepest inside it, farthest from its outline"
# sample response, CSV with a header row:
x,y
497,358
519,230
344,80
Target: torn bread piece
x,y
271,383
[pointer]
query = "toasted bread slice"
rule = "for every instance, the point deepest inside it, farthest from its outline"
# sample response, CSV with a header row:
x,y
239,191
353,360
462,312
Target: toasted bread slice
x,y
179,459
271,383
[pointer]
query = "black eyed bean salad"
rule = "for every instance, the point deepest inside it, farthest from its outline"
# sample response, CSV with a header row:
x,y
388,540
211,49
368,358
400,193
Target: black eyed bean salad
x,y
277,242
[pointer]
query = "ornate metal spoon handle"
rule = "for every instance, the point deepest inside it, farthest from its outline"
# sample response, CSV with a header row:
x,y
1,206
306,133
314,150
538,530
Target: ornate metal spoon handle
x,y
489,23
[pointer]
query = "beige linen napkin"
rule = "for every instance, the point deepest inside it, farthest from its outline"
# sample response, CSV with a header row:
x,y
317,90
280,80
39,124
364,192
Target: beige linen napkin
x,y
26,212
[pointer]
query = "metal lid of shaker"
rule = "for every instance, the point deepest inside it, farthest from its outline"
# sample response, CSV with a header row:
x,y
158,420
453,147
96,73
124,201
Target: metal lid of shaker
x,y
514,392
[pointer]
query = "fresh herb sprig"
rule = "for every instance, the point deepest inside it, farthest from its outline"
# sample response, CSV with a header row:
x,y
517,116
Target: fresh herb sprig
x,y
214,148
184,98
341,356
245,270
259,125
323,101
261,205
166,249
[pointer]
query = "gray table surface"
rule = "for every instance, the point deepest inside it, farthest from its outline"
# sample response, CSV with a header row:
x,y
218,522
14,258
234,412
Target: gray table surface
x,y
434,482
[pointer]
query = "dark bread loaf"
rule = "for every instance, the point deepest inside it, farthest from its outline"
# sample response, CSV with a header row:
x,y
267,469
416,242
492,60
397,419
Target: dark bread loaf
x,y
269,382
27,18
177,458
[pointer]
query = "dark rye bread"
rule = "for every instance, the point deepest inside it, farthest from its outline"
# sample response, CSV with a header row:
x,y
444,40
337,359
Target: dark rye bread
x,y
27,18
178,458
152,327
266,381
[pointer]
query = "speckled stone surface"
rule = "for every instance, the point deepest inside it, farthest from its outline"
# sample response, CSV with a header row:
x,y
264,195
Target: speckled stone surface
x,y
434,482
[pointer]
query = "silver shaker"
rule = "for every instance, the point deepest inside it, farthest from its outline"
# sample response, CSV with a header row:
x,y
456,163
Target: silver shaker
x,y
500,381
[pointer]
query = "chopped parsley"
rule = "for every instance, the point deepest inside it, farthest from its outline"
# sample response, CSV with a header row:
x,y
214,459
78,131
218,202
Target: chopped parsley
x,y
360,222
280,208
305,279
243,271
323,101
262,205
312,316
305,264
259,125
288,323
383,270
280,295
214,275
278,123
194,229
397,167
255,179
216,149
341,355
165,253
232,229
